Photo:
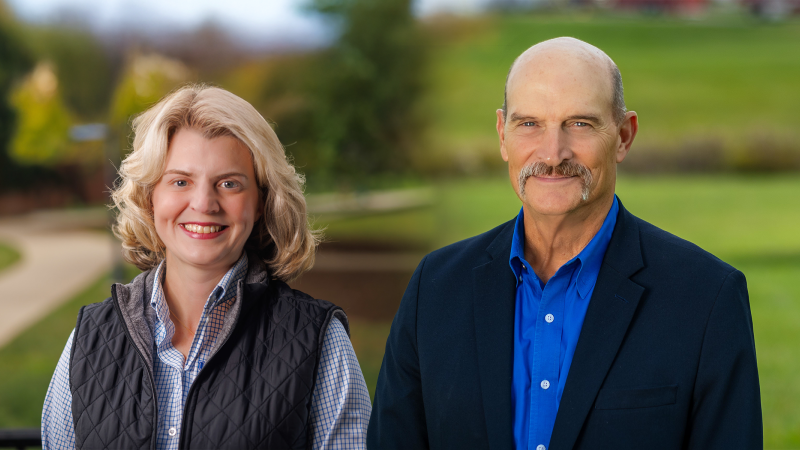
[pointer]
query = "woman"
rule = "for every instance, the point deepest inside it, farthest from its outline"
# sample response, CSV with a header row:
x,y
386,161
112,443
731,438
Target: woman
x,y
208,347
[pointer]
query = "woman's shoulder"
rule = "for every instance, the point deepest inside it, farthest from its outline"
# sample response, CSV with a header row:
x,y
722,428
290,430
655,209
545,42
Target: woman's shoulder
x,y
285,292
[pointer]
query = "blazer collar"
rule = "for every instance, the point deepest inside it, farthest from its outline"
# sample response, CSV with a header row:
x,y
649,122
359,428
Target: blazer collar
x,y
493,302
611,309
610,312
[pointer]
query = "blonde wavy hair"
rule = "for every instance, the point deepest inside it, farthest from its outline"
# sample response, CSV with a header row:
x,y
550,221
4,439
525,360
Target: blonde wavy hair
x,y
281,236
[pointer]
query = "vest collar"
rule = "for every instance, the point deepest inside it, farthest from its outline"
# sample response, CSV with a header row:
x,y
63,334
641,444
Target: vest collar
x,y
140,317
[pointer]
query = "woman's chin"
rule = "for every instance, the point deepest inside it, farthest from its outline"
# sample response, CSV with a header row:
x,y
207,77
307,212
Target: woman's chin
x,y
204,260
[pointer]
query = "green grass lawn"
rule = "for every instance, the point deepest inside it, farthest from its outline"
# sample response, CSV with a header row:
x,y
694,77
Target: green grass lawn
x,y
750,222
726,79
8,256
29,360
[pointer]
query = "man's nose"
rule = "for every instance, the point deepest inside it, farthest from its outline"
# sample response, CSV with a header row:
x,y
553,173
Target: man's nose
x,y
553,148
205,199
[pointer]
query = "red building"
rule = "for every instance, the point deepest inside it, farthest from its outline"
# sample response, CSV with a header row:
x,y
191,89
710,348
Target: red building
x,y
662,5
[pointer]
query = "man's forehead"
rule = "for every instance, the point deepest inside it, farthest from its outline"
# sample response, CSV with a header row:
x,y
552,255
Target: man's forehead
x,y
567,46
564,65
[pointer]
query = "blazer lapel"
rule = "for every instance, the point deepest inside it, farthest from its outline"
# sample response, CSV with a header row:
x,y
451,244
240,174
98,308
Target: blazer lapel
x,y
494,296
610,311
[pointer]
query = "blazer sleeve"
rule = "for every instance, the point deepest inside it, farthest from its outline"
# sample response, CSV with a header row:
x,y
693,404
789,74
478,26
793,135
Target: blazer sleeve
x,y
398,415
726,410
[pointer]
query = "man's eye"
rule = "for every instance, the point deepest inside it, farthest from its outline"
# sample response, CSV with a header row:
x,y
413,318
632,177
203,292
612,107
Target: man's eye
x,y
229,184
528,124
581,124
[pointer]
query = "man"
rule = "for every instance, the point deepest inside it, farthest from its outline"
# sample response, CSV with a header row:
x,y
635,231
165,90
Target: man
x,y
575,325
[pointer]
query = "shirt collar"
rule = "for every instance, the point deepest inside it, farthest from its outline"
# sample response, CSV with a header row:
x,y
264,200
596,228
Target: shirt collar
x,y
589,259
591,256
225,289
517,248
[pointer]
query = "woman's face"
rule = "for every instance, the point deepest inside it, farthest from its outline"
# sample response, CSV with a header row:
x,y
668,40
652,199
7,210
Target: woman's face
x,y
206,201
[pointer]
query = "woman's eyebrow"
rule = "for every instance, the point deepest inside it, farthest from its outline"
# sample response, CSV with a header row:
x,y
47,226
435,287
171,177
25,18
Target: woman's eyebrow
x,y
189,174
231,174
178,172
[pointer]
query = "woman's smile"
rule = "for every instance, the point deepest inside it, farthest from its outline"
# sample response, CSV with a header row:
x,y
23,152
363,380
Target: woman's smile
x,y
203,230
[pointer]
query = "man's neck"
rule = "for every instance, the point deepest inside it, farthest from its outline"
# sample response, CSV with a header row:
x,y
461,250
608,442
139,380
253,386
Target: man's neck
x,y
551,241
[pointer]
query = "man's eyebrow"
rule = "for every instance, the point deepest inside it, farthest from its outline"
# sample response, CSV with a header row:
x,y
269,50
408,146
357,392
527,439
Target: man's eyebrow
x,y
518,117
586,117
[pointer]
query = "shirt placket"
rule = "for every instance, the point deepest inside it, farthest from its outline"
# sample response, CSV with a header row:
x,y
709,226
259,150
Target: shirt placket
x,y
173,429
182,371
546,362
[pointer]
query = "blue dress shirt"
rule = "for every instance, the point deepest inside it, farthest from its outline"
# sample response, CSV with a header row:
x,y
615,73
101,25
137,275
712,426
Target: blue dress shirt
x,y
547,323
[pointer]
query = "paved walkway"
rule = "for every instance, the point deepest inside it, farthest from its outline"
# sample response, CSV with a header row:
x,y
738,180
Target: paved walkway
x,y
60,257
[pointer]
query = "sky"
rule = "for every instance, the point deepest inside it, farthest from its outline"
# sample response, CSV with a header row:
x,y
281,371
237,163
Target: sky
x,y
260,19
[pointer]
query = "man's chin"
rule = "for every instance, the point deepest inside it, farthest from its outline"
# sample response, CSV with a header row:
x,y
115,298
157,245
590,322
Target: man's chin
x,y
555,204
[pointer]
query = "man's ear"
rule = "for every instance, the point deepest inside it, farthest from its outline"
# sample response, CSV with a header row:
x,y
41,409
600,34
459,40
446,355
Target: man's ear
x,y
501,133
627,133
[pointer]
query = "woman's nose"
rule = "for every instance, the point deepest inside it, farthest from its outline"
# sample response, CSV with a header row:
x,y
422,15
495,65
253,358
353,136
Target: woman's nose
x,y
205,200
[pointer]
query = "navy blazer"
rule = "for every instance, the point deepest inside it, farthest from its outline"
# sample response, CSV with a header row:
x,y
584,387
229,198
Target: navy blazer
x,y
665,359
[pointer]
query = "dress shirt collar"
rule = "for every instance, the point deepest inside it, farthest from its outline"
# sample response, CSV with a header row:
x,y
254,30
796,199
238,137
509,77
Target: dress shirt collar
x,y
221,292
589,259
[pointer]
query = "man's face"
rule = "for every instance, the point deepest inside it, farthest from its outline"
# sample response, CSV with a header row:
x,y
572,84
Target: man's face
x,y
559,136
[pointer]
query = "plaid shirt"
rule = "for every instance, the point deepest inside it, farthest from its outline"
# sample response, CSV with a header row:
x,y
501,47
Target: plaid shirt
x,y
340,406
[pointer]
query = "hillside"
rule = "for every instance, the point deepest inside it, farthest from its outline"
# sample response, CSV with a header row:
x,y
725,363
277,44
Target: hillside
x,y
728,84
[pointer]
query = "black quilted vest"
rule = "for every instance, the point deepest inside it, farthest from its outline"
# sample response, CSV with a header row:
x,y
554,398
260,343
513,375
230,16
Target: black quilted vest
x,y
254,392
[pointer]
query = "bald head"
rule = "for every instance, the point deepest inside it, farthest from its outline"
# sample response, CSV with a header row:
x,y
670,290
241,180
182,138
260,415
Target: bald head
x,y
569,51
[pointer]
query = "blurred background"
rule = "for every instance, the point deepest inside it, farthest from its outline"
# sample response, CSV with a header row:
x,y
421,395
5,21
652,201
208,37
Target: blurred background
x,y
388,108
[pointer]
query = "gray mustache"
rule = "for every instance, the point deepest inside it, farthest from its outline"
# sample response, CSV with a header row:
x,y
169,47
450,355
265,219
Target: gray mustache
x,y
565,169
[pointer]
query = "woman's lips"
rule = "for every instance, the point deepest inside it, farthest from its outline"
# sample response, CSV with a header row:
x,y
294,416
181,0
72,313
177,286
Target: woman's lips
x,y
203,231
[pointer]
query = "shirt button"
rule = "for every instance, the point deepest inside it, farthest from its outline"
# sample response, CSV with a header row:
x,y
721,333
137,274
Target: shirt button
x,y
520,278
172,431
545,384
549,318
541,447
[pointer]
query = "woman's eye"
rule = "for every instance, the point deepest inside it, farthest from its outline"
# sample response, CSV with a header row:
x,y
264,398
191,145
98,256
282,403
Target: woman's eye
x,y
180,183
229,184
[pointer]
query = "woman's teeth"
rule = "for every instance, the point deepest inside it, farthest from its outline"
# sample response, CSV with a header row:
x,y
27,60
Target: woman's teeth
x,y
201,229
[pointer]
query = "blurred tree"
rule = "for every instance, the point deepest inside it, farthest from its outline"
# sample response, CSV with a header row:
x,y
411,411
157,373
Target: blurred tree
x,y
209,49
145,79
367,85
15,61
42,142
42,133
282,89
86,71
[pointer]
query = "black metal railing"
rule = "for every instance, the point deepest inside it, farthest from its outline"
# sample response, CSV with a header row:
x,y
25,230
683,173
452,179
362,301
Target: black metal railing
x,y
20,438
